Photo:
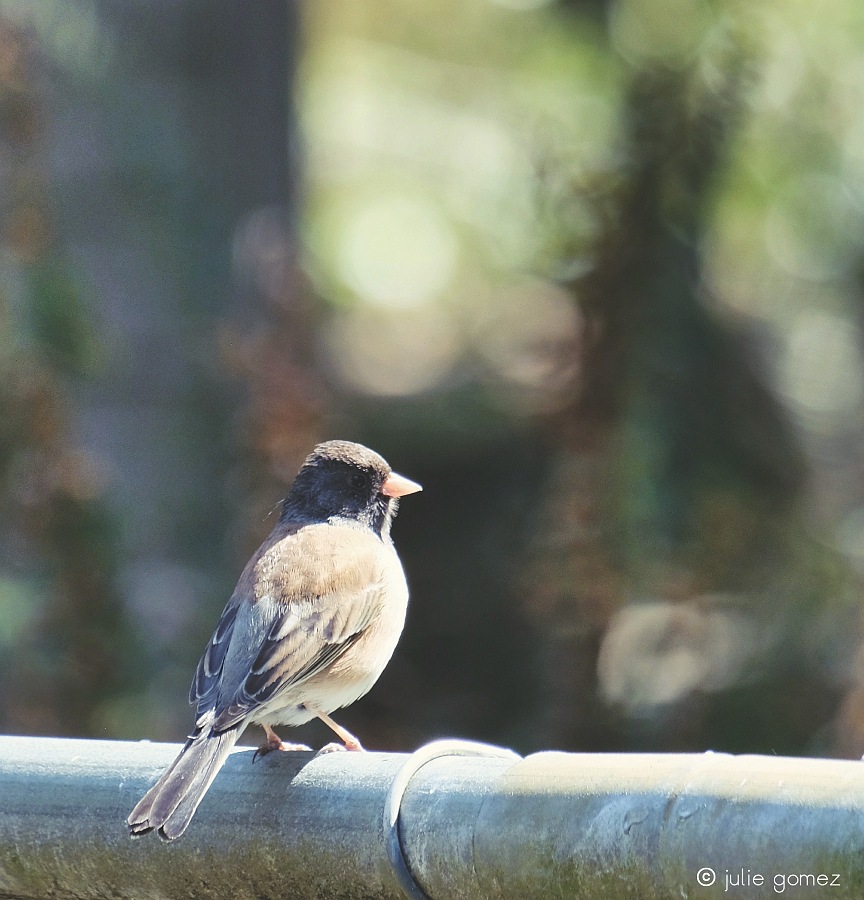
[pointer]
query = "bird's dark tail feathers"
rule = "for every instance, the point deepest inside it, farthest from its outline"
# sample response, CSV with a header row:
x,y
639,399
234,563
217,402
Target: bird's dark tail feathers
x,y
169,805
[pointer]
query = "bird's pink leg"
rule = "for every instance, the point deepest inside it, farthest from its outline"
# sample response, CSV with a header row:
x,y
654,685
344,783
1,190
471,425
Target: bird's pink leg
x,y
348,739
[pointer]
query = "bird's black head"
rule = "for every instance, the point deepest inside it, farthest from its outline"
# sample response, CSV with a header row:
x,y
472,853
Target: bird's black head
x,y
343,480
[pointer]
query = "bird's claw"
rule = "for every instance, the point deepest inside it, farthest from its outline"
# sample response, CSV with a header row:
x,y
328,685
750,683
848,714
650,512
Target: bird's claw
x,y
270,746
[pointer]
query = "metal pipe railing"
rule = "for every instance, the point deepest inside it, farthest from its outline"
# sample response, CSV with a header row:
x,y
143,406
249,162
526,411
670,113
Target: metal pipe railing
x,y
485,826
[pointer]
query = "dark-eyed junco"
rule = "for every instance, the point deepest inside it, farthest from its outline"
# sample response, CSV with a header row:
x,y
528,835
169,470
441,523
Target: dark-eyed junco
x,y
309,628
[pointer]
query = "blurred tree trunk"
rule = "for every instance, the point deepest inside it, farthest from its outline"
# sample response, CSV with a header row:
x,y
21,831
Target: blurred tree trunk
x,y
185,221
240,68
254,403
72,650
672,418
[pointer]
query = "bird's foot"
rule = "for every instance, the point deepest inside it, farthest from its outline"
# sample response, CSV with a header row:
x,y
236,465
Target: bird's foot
x,y
332,747
354,746
274,742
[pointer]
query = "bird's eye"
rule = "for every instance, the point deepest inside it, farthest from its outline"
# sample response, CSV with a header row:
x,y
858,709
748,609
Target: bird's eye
x,y
359,481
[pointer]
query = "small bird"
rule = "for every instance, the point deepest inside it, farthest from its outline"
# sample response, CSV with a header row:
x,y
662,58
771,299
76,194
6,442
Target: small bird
x,y
313,621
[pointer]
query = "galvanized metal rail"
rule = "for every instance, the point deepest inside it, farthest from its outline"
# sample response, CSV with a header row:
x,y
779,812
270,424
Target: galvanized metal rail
x,y
453,821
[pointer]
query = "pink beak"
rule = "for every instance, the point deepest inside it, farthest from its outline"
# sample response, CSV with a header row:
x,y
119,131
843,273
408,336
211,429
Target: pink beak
x,y
398,486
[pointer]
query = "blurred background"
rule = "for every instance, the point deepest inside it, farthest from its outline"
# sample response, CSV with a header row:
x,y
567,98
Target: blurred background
x,y
592,271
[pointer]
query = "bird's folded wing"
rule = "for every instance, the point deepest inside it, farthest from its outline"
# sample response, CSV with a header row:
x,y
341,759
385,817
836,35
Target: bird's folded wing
x,y
205,684
324,585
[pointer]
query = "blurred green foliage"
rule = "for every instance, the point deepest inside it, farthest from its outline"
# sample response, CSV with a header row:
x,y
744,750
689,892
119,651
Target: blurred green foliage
x,y
590,271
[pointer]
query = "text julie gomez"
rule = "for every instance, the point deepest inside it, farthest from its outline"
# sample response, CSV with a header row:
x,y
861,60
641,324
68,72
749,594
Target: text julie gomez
x,y
744,878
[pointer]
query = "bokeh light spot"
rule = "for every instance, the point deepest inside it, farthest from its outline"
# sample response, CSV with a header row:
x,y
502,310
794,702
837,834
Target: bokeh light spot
x,y
521,5
385,354
821,369
397,252
813,229
666,29
527,336
658,653
850,538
